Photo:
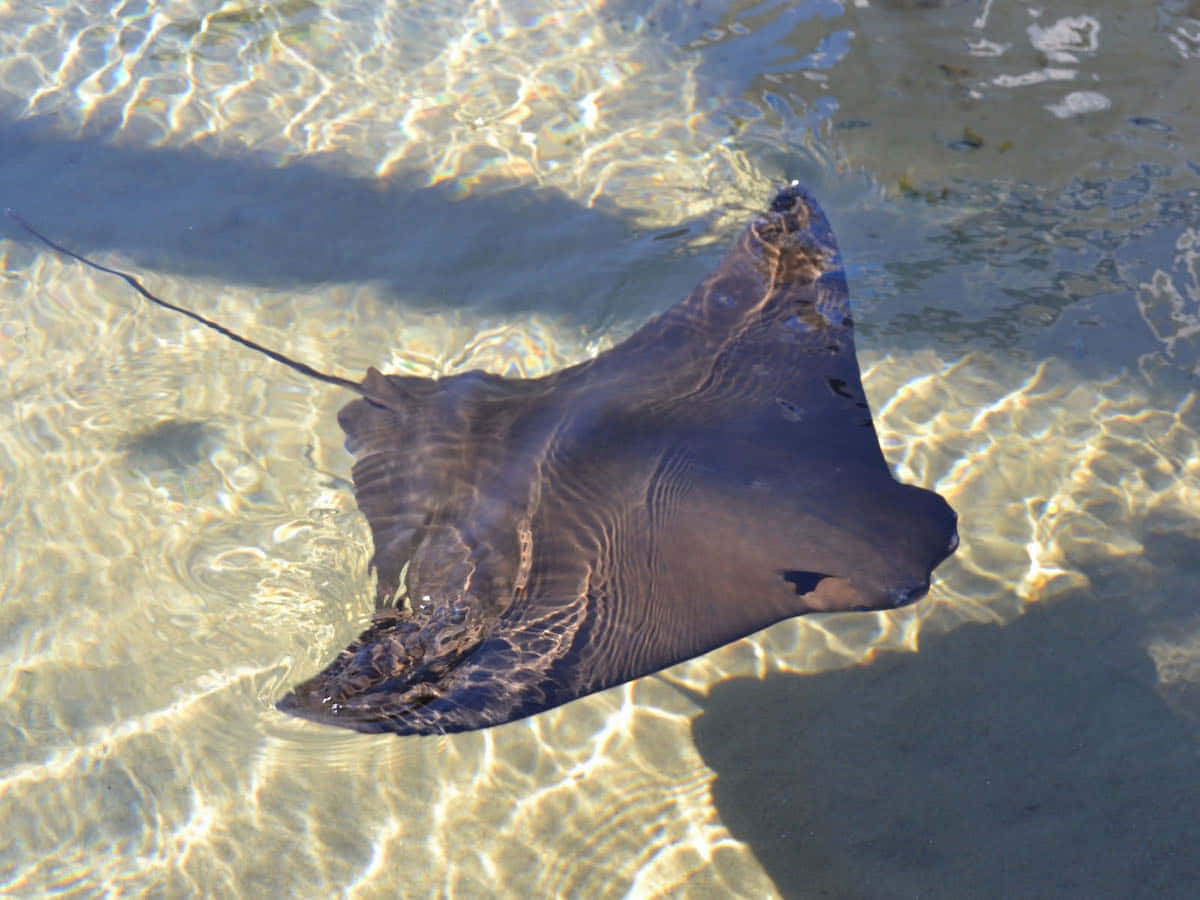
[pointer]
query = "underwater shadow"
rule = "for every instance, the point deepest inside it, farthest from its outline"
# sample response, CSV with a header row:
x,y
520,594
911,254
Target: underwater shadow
x,y
246,220
1030,760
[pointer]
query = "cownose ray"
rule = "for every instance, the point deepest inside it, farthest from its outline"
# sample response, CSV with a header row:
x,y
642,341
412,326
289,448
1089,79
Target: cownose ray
x,y
538,539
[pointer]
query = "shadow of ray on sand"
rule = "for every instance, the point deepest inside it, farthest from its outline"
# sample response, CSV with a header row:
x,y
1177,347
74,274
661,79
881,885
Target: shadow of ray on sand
x,y
1032,760
509,248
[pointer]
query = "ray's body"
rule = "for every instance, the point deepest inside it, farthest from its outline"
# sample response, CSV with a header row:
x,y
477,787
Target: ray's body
x,y
540,539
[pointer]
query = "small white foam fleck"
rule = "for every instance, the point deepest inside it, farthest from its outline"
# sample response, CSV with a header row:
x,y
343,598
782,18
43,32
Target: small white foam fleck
x,y
1039,76
984,47
1078,103
1066,38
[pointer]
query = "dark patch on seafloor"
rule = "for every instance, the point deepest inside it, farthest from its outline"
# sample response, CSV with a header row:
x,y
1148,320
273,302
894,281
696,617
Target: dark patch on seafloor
x,y
1031,760
243,219
170,444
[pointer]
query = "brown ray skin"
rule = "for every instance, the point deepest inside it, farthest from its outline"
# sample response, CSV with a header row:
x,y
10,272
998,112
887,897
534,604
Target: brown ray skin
x,y
537,540
714,474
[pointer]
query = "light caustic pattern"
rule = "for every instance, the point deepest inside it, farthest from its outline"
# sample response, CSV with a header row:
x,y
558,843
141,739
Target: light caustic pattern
x,y
174,558
573,98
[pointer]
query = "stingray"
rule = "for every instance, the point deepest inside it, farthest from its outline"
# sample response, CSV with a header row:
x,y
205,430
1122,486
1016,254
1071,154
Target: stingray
x,y
539,539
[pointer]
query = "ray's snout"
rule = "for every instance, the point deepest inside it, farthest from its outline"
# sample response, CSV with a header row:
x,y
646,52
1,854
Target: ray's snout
x,y
929,536
907,593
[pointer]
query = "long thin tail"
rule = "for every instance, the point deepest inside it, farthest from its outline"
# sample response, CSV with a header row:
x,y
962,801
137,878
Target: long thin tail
x,y
300,367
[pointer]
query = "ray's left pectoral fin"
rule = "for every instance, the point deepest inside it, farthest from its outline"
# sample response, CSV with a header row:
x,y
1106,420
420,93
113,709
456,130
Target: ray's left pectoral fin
x,y
438,675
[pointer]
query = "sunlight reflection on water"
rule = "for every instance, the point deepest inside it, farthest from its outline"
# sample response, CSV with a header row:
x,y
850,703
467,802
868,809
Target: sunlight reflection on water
x,y
181,543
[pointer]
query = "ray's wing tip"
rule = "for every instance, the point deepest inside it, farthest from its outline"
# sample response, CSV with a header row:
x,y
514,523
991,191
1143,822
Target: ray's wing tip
x,y
786,196
311,709
796,203
795,230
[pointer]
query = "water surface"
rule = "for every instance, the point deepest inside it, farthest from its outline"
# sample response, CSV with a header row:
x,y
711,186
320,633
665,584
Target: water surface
x,y
435,187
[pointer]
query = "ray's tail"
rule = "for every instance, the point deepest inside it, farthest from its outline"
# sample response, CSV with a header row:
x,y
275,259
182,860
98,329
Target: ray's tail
x,y
293,364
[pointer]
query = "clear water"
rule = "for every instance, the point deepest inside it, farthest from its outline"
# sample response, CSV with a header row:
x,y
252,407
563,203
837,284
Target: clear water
x,y
434,187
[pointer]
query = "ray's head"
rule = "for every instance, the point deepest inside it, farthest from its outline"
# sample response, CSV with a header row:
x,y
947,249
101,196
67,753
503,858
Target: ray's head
x,y
794,237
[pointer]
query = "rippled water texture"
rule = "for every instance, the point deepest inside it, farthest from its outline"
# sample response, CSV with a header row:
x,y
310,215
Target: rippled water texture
x,y
435,187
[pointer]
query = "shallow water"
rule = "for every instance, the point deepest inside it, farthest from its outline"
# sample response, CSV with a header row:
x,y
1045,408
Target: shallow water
x,y
514,186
